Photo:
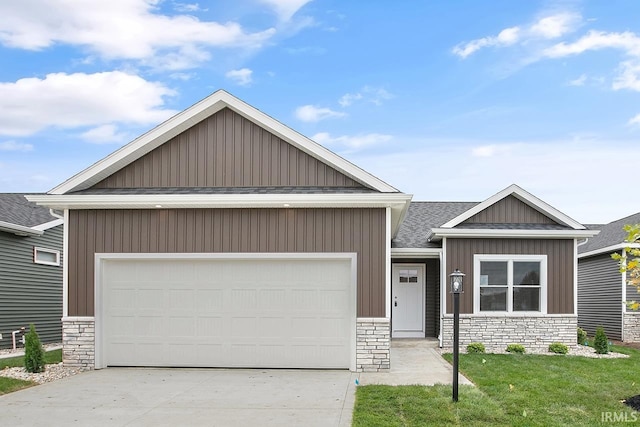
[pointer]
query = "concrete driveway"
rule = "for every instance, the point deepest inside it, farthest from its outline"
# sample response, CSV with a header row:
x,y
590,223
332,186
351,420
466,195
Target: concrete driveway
x,y
194,397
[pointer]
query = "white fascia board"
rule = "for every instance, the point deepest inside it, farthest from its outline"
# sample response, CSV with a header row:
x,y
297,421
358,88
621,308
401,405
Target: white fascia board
x,y
48,225
511,234
195,114
609,249
523,196
416,252
19,230
398,202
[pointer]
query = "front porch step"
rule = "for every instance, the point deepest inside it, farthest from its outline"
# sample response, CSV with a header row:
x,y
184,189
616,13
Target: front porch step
x,y
415,343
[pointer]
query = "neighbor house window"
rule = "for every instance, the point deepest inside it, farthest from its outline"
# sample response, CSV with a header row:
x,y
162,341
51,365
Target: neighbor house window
x,y
46,256
511,284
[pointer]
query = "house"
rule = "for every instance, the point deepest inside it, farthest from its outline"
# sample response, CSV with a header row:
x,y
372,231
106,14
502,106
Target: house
x,y
602,288
224,238
30,270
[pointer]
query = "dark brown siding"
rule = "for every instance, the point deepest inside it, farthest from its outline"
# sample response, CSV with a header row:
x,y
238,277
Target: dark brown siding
x,y
228,230
559,267
226,150
509,210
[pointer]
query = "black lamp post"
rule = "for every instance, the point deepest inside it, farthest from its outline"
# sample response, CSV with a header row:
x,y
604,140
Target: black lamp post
x,y
456,290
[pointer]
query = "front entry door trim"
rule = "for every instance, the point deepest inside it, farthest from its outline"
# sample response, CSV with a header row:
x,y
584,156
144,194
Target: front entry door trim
x,y
408,290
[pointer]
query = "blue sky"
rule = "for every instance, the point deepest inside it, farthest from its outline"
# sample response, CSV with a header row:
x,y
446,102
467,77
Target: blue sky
x,y
444,100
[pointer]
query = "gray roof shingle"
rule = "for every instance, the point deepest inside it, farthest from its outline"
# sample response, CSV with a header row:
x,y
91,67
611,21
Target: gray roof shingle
x,y
422,217
16,209
610,234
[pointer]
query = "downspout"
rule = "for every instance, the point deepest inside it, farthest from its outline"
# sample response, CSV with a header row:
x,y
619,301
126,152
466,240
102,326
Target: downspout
x,y
54,214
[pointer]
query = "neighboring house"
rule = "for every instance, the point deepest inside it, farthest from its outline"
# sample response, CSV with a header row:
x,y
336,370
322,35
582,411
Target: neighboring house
x,y
30,270
224,238
602,288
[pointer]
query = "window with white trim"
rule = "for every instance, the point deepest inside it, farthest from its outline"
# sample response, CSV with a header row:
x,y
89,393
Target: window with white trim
x,y
510,283
46,256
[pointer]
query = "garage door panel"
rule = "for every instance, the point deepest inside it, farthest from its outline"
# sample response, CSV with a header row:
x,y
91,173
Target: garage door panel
x,y
228,313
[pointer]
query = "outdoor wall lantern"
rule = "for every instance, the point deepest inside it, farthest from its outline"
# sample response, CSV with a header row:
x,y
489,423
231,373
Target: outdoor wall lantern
x,y
456,289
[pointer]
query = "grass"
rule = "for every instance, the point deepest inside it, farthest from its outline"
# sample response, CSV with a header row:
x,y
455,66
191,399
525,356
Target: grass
x,y
9,385
512,390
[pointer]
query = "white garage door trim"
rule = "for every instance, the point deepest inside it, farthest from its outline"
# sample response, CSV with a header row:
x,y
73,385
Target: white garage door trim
x,y
100,338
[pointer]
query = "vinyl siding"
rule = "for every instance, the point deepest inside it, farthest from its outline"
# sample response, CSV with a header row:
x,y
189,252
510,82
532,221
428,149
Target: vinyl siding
x,y
509,210
559,253
600,295
29,292
228,230
226,150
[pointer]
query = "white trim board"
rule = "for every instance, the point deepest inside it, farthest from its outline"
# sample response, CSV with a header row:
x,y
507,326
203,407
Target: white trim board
x,y
195,114
511,234
523,196
609,249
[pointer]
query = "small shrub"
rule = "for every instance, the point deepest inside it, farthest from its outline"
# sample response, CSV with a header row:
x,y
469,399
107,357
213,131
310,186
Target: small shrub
x,y
558,348
515,348
475,347
33,351
582,336
600,342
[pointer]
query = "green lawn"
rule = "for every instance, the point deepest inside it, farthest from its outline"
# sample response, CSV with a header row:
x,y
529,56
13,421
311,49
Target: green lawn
x,y
8,385
512,390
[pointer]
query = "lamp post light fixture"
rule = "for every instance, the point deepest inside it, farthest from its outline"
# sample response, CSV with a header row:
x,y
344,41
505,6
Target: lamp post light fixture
x,y
456,289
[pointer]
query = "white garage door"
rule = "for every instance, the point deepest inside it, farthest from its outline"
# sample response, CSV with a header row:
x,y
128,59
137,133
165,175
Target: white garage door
x,y
270,313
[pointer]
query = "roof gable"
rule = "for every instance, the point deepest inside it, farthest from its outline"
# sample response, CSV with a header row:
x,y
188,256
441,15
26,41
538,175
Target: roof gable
x,y
226,150
529,208
172,128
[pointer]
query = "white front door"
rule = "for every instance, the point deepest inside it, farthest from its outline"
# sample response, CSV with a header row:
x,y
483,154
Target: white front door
x,y
408,301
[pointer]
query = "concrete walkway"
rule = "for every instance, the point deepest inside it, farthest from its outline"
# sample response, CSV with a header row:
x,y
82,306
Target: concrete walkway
x,y
414,361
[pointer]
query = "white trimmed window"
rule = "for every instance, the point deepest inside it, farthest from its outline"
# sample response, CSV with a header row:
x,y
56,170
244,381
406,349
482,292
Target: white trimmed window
x,y
46,256
510,283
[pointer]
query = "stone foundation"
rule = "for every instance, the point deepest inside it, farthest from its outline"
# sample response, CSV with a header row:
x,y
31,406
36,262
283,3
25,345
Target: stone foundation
x,y
78,342
631,327
373,337
496,332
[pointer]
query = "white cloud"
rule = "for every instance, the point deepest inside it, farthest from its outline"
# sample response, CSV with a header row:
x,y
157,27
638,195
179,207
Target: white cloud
x,y
79,100
15,146
635,120
580,81
348,98
352,142
492,150
285,9
241,77
594,40
628,78
548,27
506,37
119,29
311,113
188,7
372,94
555,26
105,134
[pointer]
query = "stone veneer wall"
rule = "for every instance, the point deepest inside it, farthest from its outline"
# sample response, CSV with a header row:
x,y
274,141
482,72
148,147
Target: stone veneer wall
x,y
496,332
631,327
373,335
78,342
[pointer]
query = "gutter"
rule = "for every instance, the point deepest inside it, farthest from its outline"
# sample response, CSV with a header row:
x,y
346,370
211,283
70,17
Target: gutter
x,y
19,230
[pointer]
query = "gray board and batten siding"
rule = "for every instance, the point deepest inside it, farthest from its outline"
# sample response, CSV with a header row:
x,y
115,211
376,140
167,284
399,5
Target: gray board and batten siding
x,y
229,230
226,150
30,292
509,210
